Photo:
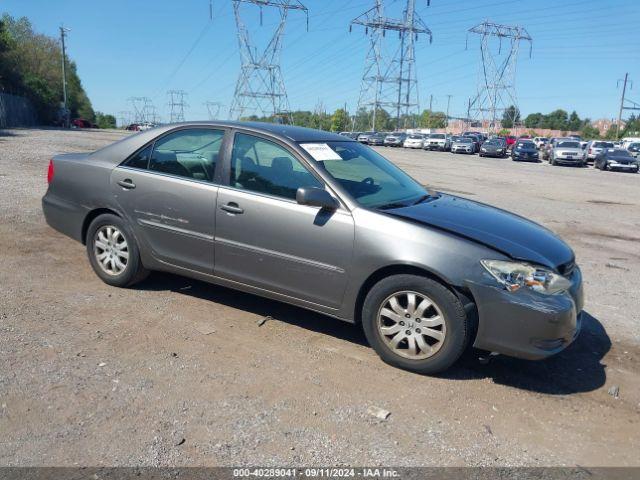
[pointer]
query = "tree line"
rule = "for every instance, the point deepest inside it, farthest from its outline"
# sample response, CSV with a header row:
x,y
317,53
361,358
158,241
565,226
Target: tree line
x,y
341,121
30,66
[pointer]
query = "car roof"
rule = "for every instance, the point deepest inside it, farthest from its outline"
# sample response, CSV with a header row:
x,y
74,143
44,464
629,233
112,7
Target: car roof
x,y
116,152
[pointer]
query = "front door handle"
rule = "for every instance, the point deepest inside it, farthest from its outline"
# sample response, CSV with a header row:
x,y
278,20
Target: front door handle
x,y
127,183
232,207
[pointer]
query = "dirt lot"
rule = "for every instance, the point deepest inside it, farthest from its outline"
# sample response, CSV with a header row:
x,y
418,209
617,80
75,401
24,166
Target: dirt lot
x,y
93,375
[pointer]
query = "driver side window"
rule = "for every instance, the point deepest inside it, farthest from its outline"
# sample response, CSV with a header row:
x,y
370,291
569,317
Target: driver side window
x,y
189,153
262,166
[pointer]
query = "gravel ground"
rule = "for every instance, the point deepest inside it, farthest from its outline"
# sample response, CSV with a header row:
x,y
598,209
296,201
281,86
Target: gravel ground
x,y
93,375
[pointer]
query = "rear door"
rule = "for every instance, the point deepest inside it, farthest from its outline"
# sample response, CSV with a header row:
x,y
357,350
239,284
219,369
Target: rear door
x,y
265,239
168,191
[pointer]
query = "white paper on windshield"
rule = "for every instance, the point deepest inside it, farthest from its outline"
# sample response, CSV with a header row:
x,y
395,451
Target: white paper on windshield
x,y
320,151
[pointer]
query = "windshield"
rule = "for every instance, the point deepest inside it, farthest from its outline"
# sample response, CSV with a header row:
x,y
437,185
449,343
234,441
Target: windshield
x,y
619,153
494,142
370,178
525,145
436,135
415,137
464,140
568,145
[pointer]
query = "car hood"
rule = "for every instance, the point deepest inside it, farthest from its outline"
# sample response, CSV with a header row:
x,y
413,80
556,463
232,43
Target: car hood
x,y
503,231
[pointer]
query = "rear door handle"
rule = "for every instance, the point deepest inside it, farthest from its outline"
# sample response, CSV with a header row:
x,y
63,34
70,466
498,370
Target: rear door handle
x,y
232,207
127,183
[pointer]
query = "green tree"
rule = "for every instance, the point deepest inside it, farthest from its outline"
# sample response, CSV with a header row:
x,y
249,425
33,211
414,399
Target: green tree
x,y
534,120
510,117
105,120
30,66
590,133
340,120
430,119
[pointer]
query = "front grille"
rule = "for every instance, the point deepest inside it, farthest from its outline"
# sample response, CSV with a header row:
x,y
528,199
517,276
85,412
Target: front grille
x,y
569,153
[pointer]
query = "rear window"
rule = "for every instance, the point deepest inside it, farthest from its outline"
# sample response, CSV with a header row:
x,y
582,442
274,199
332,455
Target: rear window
x,y
569,144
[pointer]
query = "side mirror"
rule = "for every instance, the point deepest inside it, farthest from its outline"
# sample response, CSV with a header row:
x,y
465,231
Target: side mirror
x,y
316,197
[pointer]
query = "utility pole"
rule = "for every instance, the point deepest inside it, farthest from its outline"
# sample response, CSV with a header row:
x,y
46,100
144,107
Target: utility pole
x,y
390,82
624,92
431,103
496,90
260,88
446,125
63,34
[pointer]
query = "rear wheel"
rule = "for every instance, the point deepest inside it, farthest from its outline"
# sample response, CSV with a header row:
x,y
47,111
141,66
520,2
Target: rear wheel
x,y
415,323
113,252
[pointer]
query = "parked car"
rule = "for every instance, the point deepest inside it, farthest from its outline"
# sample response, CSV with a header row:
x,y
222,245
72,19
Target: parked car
x,y
82,123
477,142
525,150
595,147
437,141
320,221
546,150
567,152
377,139
395,139
353,135
494,147
364,137
146,126
634,149
414,141
463,145
132,127
540,141
616,159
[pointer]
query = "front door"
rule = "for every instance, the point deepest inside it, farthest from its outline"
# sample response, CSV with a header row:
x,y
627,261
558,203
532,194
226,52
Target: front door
x,y
168,192
265,239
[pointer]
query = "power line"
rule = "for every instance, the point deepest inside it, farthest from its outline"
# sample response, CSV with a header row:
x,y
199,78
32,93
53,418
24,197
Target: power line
x,y
496,92
390,82
260,87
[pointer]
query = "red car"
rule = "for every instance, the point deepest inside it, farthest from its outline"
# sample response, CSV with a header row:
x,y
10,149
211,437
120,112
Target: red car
x,y
82,123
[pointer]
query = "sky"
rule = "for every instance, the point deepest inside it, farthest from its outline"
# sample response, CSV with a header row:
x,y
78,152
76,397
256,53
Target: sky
x,y
143,48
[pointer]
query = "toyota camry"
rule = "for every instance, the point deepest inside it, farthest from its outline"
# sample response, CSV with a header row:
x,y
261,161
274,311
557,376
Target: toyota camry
x,y
321,221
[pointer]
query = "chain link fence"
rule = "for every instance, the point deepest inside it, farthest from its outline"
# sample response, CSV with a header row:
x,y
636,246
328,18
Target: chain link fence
x,y
16,111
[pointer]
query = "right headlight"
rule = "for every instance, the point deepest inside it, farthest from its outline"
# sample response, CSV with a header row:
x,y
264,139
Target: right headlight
x,y
516,275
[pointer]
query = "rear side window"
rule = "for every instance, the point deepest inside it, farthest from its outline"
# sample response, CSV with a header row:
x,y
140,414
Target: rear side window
x,y
140,159
262,166
189,153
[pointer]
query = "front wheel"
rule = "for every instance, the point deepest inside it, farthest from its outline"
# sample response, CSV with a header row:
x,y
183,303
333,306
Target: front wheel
x,y
113,252
415,323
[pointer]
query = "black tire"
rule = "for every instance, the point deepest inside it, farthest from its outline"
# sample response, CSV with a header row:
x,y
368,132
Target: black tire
x,y
458,328
134,271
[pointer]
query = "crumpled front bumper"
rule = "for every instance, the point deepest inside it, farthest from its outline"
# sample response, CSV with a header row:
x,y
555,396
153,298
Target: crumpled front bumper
x,y
527,324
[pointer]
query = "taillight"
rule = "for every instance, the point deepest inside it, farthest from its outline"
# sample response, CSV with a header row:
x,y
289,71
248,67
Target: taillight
x,y
50,172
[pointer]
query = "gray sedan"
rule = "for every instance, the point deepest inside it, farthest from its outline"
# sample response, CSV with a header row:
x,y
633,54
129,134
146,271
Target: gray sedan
x,y
320,221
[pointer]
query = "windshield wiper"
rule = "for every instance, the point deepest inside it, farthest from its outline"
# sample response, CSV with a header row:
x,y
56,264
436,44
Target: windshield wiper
x,y
422,199
389,206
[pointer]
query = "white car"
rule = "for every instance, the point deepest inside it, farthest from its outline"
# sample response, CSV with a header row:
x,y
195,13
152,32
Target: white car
x,y
595,148
437,141
146,126
414,141
540,141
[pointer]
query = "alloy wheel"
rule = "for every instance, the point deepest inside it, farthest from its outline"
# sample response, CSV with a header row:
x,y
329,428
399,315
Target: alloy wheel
x,y
411,325
111,250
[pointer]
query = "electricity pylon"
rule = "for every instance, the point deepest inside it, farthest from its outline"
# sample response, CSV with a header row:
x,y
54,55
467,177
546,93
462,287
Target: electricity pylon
x,y
391,81
496,90
177,105
142,108
260,88
213,109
